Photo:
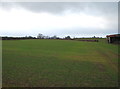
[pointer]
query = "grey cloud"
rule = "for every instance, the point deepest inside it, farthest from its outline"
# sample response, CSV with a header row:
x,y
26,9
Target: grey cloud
x,y
109,10
51,7
119,17
58,7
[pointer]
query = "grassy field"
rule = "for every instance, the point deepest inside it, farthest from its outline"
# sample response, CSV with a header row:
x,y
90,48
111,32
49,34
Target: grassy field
x,y
59,63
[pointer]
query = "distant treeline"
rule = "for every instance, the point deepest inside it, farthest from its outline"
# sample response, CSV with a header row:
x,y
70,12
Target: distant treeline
x,y
17,38
38,37
41,36
23,38
66,38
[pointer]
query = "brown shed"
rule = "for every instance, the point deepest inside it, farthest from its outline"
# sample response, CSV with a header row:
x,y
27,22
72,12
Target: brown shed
x,y
115,38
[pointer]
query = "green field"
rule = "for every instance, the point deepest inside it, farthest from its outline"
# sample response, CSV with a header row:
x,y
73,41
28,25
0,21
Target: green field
x,y
59,63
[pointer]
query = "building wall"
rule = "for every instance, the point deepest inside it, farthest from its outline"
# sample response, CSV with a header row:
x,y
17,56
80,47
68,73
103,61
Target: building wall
x,y
113,39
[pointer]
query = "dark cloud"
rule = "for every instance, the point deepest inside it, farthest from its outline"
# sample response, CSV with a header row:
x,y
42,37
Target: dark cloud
x,y
95,8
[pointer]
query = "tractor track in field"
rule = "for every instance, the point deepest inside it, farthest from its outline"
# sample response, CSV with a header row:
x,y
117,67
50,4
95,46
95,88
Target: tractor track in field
x,y
109,60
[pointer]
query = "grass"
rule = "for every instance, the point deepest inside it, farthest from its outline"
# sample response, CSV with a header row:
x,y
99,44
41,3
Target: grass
x,y
59,63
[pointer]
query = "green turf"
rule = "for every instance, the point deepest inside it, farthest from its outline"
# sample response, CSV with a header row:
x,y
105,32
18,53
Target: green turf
x,y
59,63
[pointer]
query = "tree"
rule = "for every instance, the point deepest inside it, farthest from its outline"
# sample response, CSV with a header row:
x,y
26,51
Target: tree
x,y
54,37
40,36
46,37
94,37
68,38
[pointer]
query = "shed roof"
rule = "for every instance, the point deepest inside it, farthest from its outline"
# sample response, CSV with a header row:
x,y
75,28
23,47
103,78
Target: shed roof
x,y
114,35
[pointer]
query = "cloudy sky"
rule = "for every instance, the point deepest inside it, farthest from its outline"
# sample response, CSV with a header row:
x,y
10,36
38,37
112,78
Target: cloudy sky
x,y
77,19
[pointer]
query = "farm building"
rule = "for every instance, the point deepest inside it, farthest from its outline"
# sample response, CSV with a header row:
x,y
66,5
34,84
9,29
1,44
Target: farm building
x,y
113,38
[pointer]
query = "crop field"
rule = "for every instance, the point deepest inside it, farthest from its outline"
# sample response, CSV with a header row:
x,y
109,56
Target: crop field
x,y
59,63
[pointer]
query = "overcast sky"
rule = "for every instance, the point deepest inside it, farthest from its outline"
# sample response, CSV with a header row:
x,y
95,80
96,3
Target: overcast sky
x,y
77,19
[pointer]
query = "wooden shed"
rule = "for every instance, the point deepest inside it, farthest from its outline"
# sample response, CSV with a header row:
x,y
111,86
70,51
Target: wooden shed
x,y
115,38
